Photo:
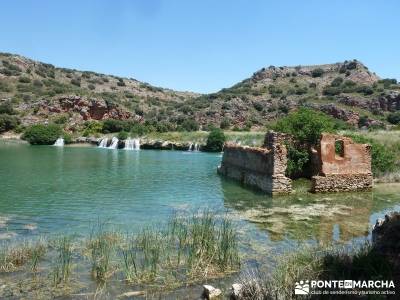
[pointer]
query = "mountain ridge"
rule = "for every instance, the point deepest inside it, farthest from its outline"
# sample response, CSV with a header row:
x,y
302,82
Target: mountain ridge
x,y
347,90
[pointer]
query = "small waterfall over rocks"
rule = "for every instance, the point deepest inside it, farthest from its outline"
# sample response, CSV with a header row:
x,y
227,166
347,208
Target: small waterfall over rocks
x,y
132,144
59,142
114,143
194,147
103,143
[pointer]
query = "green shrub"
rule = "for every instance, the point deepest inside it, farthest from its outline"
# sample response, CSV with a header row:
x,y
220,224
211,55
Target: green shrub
x,y
317,72
24,80
114,125
122,135
298,159
42,134
91,86
92,128
394,118
225,123
215,140
76,81
337,81
8,122
306,125
190,125
383,159
6,108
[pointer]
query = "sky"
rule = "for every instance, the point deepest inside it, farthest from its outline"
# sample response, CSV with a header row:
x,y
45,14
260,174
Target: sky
x,y
203,45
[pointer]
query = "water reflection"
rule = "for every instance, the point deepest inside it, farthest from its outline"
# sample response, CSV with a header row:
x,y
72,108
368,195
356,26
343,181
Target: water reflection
x,y
302,216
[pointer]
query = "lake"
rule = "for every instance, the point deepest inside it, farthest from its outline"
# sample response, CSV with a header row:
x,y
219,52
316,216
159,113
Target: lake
x,y
46,190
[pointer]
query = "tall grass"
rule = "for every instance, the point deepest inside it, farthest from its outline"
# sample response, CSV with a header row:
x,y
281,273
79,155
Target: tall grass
x,y
101,246
189,248
14,256
63,263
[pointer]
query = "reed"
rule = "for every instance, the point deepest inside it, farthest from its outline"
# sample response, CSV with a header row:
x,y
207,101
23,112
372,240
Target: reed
x,y
63,264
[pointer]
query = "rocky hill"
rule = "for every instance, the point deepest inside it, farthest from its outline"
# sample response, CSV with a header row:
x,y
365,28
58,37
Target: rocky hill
x,y
40,92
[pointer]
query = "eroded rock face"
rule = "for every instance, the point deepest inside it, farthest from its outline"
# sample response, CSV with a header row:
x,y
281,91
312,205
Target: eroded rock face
x,y
348,116
87,108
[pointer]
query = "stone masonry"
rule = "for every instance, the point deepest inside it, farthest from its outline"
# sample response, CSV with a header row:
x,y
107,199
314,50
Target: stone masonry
x,y
349,170
263,168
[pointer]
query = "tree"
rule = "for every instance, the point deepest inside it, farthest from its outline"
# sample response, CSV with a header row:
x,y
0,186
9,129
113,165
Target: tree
x,y
306,125
215,140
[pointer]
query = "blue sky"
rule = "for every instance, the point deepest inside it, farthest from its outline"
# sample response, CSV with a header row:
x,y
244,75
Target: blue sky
x,y
202,45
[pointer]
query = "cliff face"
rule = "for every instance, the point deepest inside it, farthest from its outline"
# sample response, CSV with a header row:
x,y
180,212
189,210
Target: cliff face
x,y
347,91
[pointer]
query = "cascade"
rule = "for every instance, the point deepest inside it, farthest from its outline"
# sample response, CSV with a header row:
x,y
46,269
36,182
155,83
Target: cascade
x,y
103,143
114,143
59,142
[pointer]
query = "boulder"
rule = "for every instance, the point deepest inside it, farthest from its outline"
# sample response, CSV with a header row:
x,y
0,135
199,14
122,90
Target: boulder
x,y
210,292
236,291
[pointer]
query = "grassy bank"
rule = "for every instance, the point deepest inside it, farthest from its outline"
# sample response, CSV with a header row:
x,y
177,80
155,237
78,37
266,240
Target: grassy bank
x,y
186,250
252,138
317,263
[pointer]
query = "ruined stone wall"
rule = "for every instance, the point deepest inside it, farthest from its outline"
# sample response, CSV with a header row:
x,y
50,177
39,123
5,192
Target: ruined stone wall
x,y
346,171
262,168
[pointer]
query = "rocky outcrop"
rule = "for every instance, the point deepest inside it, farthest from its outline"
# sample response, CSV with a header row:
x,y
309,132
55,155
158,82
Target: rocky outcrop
x,y
262,168
348,116
387,102
386,237
348,170
87,108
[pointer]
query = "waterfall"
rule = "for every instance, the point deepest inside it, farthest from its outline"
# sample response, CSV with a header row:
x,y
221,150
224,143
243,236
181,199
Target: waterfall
x,y
103,143
190,147
59,142
132,144
114,143
196,147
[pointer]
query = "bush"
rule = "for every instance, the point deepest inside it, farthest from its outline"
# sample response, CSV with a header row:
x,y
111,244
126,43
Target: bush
x,y
394,118
317,72
122,135
215,140
6,108
8,122
306,125
383,159
92,128
114,125
190,125
337,81
42,134
225,123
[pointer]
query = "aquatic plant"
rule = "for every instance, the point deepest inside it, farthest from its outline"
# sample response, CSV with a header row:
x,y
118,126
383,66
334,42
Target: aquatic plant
x,y
14,256
63,263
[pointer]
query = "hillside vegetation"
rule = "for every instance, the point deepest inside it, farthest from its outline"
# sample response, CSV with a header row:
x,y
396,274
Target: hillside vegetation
x,y
32,92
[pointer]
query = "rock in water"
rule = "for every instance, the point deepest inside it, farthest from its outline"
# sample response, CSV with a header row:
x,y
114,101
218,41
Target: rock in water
x,y
236,291
210,292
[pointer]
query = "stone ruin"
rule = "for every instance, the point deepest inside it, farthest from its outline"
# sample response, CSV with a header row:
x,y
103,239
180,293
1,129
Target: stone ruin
x,y
264,167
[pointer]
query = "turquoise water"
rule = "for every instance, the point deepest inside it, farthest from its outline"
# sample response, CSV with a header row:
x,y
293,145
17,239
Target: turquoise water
x,y
47,190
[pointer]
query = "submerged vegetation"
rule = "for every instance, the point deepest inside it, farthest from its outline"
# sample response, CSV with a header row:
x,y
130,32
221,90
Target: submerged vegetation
x,y
186,250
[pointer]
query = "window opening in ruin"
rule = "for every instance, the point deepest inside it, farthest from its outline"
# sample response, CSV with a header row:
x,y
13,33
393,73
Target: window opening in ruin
x,y
339,148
